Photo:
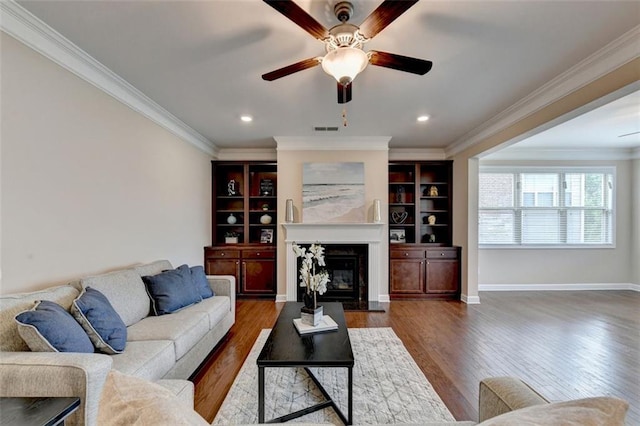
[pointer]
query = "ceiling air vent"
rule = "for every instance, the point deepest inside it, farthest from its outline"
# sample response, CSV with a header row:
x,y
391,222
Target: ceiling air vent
x,y
325,129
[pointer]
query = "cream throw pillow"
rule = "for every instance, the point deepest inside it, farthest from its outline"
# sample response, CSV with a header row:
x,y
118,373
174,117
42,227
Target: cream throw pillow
x,y
601,411
128,400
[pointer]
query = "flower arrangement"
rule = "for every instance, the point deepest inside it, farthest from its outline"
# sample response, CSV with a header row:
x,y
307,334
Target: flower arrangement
x,y
312,277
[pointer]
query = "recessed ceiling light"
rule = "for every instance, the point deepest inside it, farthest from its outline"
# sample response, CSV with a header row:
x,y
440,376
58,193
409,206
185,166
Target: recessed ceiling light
x,y
246,118
423,118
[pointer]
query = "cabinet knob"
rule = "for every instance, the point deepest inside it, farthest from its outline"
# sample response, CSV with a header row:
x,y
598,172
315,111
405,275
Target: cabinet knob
x,y
406,254
258,254
441,254
222,254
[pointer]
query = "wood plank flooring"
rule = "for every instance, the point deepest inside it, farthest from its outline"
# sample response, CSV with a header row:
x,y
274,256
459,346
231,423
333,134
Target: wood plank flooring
x,y
567,345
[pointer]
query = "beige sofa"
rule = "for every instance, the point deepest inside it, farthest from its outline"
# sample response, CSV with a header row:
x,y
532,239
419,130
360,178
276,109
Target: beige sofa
x,y
167,348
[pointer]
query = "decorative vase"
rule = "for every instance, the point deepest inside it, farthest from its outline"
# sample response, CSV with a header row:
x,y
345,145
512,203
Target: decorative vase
x,y
310,316
265,219
377,216
231,219
289,211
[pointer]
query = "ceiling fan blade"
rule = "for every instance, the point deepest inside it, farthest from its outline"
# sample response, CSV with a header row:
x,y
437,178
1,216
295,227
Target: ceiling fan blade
x,y
299,17
400,63
385,14
344,93
290,69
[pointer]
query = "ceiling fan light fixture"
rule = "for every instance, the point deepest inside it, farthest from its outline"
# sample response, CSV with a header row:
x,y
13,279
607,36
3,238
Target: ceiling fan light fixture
x,y
345,63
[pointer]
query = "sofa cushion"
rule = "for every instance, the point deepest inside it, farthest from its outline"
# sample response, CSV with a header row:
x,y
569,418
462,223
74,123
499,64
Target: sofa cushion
x,y
153,268
601,411
200,280
47,327
100,321
171,290
184,328
149,359
128,400
125,291
12,304
215,308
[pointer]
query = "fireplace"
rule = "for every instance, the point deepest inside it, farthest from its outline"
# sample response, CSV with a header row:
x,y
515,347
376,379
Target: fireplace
x,y
347,267
367,237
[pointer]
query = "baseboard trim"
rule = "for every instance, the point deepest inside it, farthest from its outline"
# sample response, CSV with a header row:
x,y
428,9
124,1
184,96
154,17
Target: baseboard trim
x,y
470,300
281,297
383,298
559,287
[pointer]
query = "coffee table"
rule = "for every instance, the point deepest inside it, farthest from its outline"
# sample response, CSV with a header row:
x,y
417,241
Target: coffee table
x,y
286,348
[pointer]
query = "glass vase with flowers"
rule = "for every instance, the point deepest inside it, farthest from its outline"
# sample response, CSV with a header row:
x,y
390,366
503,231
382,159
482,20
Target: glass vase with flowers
x,y
314,278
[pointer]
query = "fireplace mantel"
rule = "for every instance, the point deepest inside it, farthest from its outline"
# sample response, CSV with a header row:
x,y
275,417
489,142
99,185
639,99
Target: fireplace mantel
x,y
370,234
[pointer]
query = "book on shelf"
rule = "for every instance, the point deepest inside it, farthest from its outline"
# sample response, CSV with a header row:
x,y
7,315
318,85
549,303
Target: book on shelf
x,y
326,324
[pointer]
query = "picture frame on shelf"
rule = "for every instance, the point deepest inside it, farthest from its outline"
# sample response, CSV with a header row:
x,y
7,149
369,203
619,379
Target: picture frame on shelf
x,y
266,187
397,236
266,236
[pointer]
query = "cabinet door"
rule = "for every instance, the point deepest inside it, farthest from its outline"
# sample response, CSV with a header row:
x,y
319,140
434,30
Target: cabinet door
x,y
406,276
442,276
258,276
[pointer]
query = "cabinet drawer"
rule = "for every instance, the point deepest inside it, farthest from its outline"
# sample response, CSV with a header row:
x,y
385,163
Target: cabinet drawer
x,y
407,254
223,254
442,254
258,253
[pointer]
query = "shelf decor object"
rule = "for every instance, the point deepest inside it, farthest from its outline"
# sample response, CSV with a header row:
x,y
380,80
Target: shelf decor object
x,y
288,212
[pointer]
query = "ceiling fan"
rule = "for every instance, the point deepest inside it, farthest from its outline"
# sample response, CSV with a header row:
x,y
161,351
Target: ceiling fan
x,y
345,58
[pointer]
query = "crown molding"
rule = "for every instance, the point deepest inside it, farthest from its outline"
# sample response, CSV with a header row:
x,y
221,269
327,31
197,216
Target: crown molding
x,y
247,154
36,34
332,143
611,57
564,154
426,154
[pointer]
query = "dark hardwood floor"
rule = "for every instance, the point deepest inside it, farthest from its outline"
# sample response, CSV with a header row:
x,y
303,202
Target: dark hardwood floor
x,y
567,345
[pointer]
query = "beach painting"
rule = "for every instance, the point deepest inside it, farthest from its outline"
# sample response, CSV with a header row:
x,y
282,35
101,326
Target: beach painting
x,y
333,192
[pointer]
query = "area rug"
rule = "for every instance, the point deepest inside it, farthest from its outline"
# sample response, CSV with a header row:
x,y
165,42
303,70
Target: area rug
x,y
388,387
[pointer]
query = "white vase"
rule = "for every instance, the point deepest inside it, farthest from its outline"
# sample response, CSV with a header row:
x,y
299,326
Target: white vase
x,y
265,219
289,211
231,219
377,216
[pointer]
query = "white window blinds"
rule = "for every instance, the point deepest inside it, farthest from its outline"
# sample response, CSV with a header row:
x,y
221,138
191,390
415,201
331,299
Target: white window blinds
x,y
546,207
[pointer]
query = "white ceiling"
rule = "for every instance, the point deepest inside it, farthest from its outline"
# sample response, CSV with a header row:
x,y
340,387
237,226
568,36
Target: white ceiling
x,y
202,61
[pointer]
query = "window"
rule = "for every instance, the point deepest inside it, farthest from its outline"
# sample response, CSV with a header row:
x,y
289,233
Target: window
x,y
546,207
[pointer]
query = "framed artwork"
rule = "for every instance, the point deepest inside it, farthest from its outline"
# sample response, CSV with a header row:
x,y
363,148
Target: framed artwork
x,y
266,236
397,236
333,192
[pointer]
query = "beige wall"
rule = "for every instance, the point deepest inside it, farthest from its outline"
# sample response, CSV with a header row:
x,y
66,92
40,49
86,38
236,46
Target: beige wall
x,y
88,184
290,186
567,266
464,220
635,222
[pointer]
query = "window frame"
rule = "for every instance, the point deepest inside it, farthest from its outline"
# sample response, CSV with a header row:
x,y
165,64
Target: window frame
x,y
518,206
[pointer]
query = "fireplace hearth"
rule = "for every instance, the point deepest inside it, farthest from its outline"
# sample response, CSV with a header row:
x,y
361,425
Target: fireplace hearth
x,y
347,267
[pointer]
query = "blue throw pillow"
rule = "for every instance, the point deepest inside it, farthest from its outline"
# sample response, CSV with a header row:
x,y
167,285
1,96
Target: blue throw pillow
x,y
101,322
199,278
171,290
48,327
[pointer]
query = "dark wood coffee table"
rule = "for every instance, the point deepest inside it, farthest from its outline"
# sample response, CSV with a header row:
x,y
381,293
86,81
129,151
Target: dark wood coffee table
x,y
286,348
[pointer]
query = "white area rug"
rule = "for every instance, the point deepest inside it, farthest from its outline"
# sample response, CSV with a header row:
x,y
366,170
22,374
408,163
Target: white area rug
x,y
388,387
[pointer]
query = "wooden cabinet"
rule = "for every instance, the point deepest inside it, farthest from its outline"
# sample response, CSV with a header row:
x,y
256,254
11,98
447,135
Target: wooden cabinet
x,y
424,272
254,267
420,202
244,202
244,206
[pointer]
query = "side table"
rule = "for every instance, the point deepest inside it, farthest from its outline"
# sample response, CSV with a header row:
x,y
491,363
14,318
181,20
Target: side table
x,y
36,411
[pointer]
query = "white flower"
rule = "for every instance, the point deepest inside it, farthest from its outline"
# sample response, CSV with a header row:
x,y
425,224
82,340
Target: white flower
x,y
314,256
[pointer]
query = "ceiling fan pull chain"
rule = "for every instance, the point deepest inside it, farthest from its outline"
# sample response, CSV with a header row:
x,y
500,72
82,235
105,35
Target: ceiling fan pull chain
x,y
344,116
